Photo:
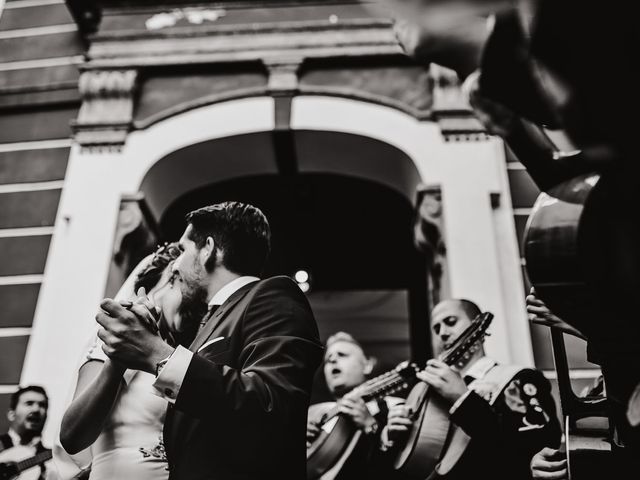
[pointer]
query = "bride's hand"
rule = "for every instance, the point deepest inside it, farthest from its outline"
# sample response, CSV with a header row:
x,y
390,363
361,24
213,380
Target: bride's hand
x,y
143,300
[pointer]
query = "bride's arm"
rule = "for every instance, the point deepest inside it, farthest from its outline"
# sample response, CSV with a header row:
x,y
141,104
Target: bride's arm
x,y
96,391
98,385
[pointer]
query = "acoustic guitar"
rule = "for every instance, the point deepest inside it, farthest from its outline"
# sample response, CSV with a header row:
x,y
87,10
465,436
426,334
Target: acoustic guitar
x,y
13,462
339,435
430,436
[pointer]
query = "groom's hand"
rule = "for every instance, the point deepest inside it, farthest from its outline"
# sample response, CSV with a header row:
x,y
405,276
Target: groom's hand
x,y
127,338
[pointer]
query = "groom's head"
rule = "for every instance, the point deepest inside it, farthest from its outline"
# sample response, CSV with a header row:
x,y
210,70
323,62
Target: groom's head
x,y
231,236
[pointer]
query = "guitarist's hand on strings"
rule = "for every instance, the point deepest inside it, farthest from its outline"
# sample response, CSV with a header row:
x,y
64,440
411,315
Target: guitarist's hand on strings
x,y
354,407
398,422
444,379
313,430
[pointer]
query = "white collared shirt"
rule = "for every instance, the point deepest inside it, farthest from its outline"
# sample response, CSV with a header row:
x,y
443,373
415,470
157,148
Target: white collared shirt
x,y
478,371
480,368
168,383
230,288
15,438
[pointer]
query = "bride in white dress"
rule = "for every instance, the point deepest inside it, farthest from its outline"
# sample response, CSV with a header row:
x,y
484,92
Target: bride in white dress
x,y
114,411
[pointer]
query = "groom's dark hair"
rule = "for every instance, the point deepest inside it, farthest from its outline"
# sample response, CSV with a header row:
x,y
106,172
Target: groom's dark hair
x,y
239,230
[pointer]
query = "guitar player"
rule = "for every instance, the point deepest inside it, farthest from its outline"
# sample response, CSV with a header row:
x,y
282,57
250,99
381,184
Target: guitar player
x,y
27,415
345,367
507,411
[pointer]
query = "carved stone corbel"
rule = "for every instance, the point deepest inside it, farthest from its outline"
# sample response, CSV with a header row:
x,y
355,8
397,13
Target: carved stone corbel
x,y
283,76
106,114
429,238
136,235
451,109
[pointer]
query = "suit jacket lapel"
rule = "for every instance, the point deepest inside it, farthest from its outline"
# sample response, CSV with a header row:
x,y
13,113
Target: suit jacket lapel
x,y
215,320
175,430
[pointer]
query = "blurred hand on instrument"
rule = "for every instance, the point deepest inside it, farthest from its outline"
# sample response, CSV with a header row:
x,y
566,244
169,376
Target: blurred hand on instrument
x,y
354,406
444,379
313,430
539,313
450,33
398,422
549,464
414,40
496,118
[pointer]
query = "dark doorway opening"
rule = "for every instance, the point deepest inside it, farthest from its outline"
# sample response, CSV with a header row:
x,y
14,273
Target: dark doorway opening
x,y
349,233
355,238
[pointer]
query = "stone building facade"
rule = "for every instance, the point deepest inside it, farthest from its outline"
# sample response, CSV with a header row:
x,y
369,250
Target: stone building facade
x,y
118,116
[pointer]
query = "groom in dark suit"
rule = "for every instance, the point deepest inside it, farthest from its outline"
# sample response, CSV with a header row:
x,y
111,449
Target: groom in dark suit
x,y
239,395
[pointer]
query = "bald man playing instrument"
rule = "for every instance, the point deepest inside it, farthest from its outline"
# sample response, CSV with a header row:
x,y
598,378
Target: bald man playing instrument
x,y
507,411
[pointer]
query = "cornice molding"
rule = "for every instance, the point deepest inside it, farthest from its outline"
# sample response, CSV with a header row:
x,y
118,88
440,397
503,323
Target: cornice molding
x,y
106,114
109,78
232,43
283,75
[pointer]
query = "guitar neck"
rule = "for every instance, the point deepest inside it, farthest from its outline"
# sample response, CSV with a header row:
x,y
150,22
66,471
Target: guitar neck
x,y
453,357
469,341
33,461
375,389
383,385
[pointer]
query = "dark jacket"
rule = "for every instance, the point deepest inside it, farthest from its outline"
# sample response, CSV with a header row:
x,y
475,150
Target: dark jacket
x,y
506,435
241,411
5,441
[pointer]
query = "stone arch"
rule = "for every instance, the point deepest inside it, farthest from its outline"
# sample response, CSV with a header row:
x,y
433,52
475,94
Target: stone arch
x,y
82,243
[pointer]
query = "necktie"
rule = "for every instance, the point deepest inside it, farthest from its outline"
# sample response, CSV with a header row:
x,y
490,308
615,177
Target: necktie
x,y
210,313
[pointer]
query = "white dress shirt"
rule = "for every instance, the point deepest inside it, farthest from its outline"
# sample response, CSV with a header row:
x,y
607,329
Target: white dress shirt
x,y
477,372
169,381
17,440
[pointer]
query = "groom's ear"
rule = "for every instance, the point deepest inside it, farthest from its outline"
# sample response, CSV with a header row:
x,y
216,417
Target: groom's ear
x,y
208,249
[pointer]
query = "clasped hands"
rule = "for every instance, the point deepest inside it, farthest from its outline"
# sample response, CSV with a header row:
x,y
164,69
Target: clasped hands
x,y
130,334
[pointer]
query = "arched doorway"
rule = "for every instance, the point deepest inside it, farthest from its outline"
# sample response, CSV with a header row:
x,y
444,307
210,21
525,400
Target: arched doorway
x,y
345,215
483,256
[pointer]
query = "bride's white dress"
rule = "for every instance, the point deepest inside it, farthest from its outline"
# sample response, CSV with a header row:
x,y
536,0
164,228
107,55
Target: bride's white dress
x,y
130,445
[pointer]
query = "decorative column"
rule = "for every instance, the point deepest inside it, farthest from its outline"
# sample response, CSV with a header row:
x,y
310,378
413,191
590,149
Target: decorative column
x,y
481,240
